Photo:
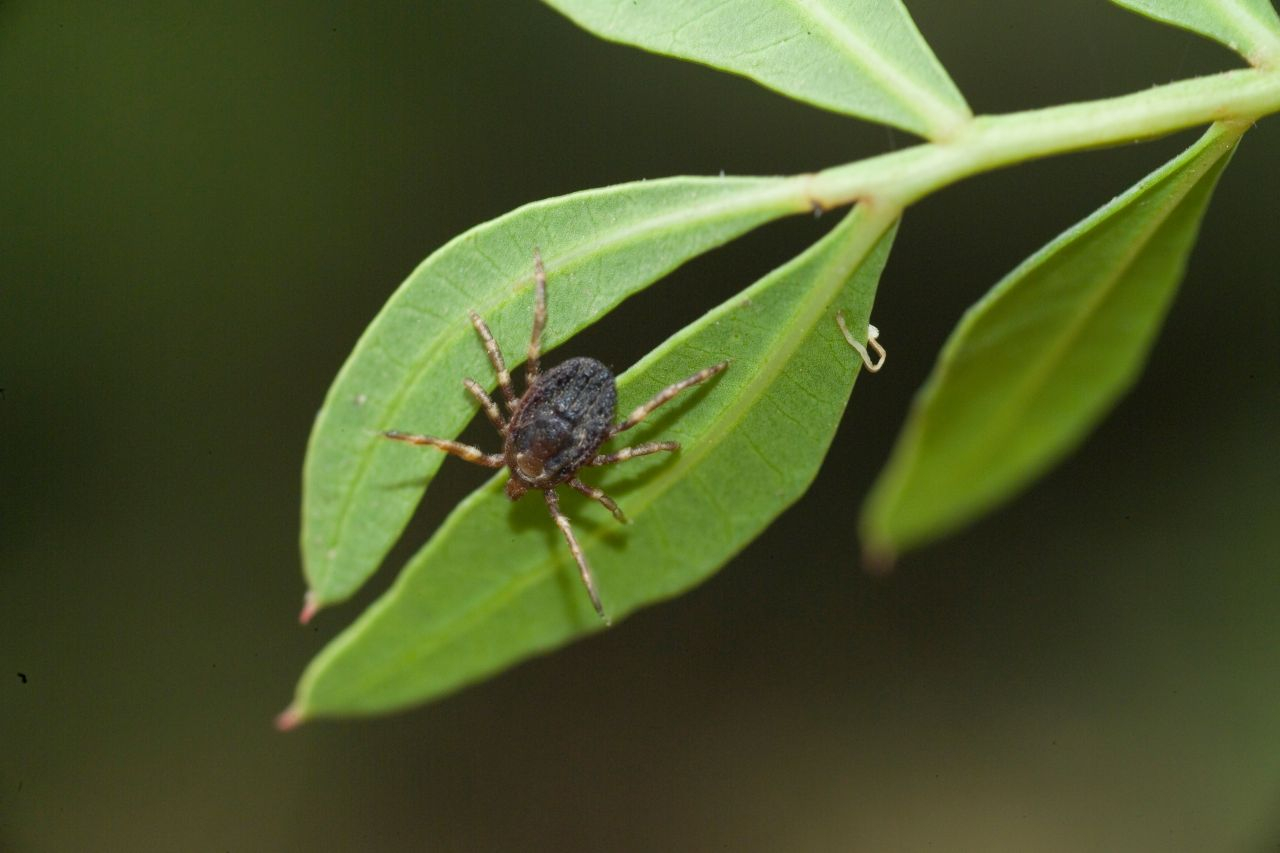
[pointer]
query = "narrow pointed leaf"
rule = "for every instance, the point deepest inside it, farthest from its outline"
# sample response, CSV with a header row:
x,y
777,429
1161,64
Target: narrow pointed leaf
x,y
1043,356
497,584
1249,27
406,371
861,57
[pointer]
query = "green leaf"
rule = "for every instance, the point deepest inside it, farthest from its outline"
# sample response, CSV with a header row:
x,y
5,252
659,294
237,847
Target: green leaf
x,y
496,583
861,57
406,371
1249,27
1043,356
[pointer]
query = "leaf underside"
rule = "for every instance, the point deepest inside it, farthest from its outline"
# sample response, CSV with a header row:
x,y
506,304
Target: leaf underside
x,y
1248,27
1028,371
1035,364
496,583
860,57
406,371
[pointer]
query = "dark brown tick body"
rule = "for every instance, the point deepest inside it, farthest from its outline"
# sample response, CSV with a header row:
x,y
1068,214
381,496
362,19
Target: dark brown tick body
x,y
558,426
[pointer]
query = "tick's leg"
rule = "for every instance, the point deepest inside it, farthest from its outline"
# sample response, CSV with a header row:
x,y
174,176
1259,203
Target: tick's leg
x,y
638,450
486,403
553,504
462,451
539,318
597,494
666,394
495,356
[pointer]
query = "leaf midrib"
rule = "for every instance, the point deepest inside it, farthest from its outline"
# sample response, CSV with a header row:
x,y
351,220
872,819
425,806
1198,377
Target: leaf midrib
x,y
1261,35
936,113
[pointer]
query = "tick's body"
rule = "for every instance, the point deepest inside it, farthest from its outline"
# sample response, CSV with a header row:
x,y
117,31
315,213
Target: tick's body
x,y
560,423
558,426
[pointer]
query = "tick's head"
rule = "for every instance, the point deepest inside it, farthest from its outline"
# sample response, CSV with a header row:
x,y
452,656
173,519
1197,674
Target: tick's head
x,y
516,489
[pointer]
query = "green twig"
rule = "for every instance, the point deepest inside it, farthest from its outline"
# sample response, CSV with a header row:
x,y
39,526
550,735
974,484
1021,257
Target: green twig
x,y
992,142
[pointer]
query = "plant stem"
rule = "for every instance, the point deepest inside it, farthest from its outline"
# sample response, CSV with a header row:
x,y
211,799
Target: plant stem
x,y
987,143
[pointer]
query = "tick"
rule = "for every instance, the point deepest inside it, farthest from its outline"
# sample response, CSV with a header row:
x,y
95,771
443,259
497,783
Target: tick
x,y
557,426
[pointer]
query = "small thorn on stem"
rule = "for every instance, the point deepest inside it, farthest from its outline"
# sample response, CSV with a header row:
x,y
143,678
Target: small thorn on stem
x,y
288,719
309,608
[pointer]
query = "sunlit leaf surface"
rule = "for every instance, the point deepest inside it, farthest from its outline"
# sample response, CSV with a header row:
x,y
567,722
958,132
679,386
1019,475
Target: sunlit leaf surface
x,y
496,582
406,371
1043,356
861,57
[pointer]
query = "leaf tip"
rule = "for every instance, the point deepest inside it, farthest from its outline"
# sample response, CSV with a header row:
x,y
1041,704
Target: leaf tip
x,y
878,558
310,605
288,719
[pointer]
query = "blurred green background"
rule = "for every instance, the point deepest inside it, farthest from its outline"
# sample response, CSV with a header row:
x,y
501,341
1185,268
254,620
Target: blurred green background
x,y
201,206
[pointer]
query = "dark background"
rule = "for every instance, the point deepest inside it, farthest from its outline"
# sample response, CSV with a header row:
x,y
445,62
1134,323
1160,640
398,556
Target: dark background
x,y
201,206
